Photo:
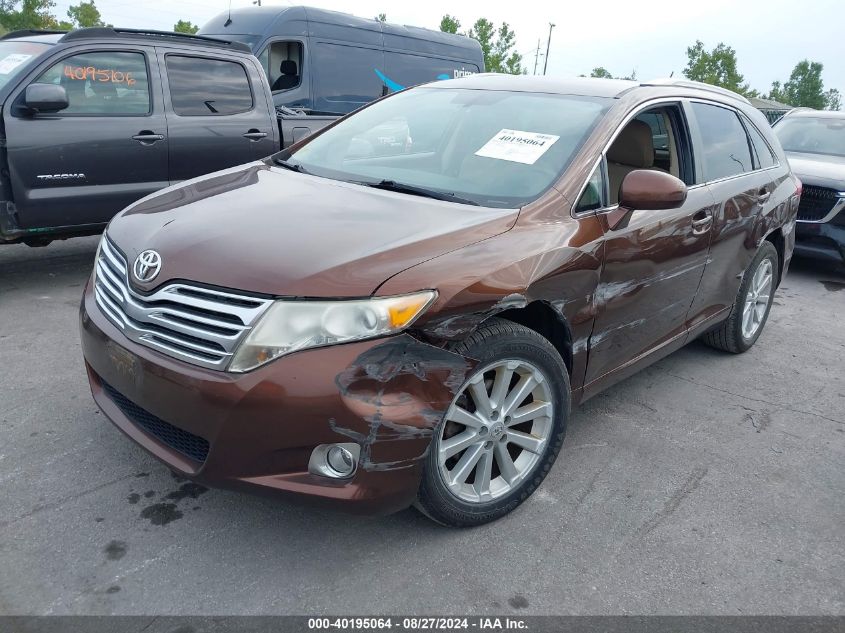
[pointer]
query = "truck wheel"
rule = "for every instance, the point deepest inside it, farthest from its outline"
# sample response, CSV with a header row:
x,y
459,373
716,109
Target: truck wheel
x,y
502,432
751,309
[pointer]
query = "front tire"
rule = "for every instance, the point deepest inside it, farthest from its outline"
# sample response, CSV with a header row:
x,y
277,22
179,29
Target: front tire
x,y
503,431
752,305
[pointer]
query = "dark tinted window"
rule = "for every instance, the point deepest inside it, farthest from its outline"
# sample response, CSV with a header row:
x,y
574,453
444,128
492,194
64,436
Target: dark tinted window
x,y
345,77
106,83
207,87
725,152
762,151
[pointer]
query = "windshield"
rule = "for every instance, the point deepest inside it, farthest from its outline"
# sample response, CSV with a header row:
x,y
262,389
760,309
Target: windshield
x,y
14,55
814,135
494,148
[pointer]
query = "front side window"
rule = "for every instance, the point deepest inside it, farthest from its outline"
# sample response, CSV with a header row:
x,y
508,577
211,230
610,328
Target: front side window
x,y
494,147
107,83
725,152
813,135
201,86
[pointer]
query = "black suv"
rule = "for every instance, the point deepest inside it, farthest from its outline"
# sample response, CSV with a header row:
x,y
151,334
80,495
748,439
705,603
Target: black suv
x,y
815,146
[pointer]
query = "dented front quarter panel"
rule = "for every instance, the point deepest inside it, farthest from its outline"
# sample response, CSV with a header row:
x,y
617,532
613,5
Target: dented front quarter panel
x,y
547,257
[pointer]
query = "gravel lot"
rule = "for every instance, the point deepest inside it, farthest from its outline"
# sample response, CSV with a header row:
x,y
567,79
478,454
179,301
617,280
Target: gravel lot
x,y
709,484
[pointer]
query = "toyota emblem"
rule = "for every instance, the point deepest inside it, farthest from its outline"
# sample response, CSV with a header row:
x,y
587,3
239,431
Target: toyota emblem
x,y
147,266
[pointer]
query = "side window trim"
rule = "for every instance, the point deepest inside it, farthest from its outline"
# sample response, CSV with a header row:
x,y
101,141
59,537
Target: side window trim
x,y
41,69
169,95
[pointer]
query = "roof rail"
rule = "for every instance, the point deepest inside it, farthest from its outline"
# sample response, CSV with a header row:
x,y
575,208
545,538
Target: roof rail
x,y
110,32
696,85
24,32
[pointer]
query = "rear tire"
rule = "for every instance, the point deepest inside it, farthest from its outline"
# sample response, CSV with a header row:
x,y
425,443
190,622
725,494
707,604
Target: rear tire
x,y
504,455
750,310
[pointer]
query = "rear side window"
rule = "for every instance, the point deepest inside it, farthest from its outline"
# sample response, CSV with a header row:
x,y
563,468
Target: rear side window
x,y
200,86
726,152
762,151
105,83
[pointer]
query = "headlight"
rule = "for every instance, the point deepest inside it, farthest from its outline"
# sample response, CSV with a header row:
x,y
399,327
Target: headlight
x,y
289,326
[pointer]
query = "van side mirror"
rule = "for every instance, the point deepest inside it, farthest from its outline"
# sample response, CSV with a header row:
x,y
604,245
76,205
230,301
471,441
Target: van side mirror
x,y
647,189
45,98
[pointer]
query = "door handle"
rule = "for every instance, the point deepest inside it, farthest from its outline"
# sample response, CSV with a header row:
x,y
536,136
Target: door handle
x,y
255,135
701,224
147,137
763,196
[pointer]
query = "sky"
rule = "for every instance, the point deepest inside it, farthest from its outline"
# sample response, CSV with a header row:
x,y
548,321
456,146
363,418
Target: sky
x,y
650,38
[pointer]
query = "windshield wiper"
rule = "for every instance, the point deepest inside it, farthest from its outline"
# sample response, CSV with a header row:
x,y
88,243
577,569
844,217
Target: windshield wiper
x,y
392,185
281,162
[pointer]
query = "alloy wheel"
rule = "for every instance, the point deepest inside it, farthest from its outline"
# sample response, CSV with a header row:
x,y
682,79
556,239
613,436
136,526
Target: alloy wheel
x,y
757,299
495,431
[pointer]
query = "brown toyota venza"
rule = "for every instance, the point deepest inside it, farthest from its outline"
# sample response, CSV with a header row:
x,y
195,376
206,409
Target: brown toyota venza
x,y
402,309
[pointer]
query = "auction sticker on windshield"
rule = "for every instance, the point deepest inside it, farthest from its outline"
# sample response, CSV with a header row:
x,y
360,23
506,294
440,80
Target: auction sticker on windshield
x,y
517,146
10,62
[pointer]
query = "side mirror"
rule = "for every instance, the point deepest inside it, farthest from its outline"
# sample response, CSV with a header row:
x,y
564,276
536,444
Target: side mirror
x,y
45,98
647,189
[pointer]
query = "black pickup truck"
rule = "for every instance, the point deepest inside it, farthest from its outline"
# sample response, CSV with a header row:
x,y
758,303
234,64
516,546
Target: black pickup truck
x,y
94,119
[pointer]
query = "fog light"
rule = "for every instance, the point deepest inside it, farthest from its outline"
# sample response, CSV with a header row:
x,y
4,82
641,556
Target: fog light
x,y
337,461
340,460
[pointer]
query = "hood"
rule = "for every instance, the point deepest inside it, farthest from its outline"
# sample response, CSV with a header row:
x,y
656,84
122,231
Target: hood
x,y
822,170
268,230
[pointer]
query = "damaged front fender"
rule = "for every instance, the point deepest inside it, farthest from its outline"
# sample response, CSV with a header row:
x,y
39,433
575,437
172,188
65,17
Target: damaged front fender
x,y
398,392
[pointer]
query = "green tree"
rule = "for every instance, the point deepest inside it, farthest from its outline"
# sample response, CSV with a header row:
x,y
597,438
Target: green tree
x,y
717,67
601,72
27,14
497,46
184,26
805,88
449,24
85,14
381,17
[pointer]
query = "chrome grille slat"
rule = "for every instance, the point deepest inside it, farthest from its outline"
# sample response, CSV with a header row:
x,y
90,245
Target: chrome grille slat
x,y
198,325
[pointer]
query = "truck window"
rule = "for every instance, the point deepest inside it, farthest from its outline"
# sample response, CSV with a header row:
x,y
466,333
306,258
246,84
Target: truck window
x,y
282,63
200,86
14,56
104,83
345,76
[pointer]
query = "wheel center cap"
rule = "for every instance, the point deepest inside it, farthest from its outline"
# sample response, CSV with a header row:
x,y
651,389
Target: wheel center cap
x,y
496,430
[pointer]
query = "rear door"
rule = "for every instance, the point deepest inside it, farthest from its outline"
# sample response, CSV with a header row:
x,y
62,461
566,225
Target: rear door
x,y
84,164
218,114
738,167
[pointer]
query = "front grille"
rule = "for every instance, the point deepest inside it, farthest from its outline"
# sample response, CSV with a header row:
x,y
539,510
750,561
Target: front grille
x,y
194,324
191,446
816,203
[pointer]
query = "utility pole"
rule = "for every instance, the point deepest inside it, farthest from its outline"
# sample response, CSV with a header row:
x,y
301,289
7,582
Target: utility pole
x,y
548,45
536,55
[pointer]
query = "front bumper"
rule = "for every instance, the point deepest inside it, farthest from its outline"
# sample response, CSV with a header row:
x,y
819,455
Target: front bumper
x,y
257,430
824,241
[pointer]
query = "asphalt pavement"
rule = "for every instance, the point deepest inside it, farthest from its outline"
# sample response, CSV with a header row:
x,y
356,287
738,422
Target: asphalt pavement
x,y
707,484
